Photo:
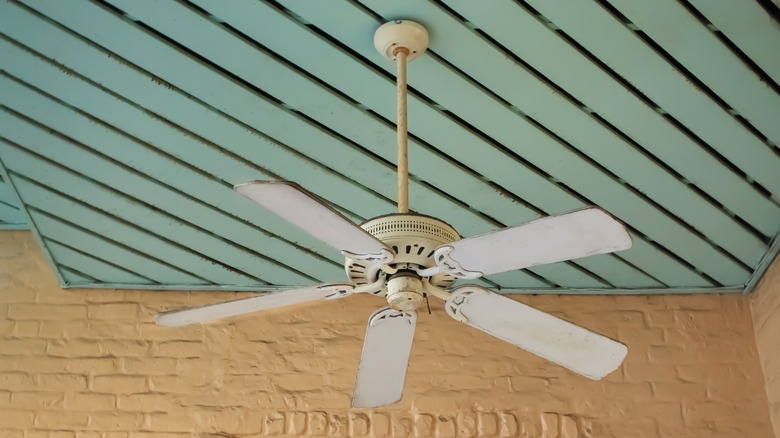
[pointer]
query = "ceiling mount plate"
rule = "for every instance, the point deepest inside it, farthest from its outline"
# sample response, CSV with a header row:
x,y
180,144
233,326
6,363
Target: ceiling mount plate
x,y
401,33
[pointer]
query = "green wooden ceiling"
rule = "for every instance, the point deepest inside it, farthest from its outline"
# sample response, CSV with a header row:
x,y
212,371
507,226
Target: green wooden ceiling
x,y
125,123
11,215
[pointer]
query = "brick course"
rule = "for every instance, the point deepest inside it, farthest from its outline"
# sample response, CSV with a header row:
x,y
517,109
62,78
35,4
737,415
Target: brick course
x,y
91,363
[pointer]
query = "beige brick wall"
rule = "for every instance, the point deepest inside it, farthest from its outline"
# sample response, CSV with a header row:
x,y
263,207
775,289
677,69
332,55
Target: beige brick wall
x,y
92,364
765,304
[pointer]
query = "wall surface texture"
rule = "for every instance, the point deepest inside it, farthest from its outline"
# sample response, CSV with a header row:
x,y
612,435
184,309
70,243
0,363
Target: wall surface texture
x,y
765,304
92,364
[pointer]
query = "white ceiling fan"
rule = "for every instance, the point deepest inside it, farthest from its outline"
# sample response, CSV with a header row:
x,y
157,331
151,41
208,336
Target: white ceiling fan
x,y
403,256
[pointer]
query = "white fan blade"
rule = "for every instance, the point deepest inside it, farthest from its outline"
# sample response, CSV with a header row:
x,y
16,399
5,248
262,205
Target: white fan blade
x,y
570,346
382,369
552,239
175,318
303,209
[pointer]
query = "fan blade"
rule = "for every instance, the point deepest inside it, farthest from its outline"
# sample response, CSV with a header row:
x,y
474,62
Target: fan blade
x,y
176,318
303,209
382,369
552,239
570,346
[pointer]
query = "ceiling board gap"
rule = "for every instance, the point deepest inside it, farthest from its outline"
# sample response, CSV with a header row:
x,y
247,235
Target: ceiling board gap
x,y
123,222
699,191
771,7
638,193
636,92
246,39
430,102
110,220
9,205
161,153
112,241
582,155
412,91
731,46
614,129
139,201
256,90
687,74
579,196
91,256
412,176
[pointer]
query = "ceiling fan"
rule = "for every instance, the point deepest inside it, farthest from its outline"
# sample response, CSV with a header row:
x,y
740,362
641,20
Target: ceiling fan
x,y
404,256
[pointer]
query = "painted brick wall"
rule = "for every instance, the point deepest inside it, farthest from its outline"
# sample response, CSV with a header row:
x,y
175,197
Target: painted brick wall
x,y
92,364
765,304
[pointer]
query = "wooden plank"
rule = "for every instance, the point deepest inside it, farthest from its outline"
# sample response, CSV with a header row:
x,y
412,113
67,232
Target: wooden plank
x,y
682,36
627,55
535,43
129,208
105,248
750,27
218,195
92,266
127,234
231,97
447,87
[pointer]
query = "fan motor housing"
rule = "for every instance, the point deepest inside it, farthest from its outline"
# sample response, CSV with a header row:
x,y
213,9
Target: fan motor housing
x,y
404,291
413,238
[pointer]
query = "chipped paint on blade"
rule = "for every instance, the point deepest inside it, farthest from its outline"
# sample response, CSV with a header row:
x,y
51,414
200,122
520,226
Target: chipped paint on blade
x,y
570,346
301,208
227,309
385,357
547,240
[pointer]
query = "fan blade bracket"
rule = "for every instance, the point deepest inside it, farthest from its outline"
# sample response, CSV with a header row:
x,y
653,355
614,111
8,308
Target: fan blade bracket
x,y
451,266
459,299
435,291
388,314
381,258
338,290
342,290
378,261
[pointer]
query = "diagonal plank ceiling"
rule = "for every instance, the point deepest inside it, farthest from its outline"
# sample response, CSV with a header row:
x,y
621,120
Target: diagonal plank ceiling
x,y
11,215
125,123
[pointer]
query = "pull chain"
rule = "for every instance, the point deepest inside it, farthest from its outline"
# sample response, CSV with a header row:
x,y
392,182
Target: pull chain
x,y
403,138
